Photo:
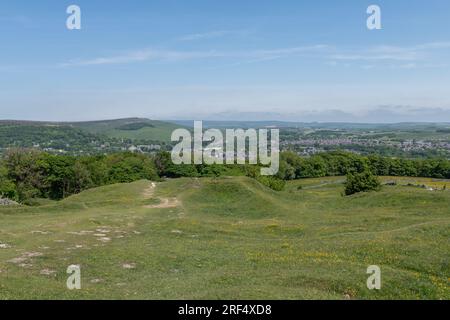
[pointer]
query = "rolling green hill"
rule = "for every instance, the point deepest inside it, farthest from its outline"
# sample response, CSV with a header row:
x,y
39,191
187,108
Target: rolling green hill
x,y
44,135
130,128
83,136
230,238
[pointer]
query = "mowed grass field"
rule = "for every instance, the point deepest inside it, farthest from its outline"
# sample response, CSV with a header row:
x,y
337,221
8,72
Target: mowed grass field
x,y
230,238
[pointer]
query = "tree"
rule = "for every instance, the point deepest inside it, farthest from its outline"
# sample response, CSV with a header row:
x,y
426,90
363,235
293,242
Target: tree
x,y
7,187
166,168
361,182
58,175
26,170
129,167
286,171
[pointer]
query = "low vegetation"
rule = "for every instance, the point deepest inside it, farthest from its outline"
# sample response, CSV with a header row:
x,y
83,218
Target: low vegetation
x,y
361,182
230,238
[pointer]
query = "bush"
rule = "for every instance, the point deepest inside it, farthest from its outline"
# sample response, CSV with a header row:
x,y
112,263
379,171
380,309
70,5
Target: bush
x,y
129,167
166,168
361,182
273,183
7,187
25,169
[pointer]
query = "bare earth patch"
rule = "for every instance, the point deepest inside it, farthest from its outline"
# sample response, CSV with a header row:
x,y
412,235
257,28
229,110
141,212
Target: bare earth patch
x,y
48,272
103,230
100,235
40,232
165,203
96,280
24,259
17,260
150,190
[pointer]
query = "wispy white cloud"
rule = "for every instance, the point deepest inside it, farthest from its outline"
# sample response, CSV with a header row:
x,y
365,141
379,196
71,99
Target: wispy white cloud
x,y
214,35
145,55
421,55
205,35
174,55
392,53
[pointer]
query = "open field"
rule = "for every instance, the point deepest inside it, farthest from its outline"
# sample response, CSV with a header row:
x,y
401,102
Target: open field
x,y
84,137
131,128
230,238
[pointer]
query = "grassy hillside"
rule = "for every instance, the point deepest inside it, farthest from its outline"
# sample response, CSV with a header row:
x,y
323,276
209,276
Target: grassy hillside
x,y
131,128
86,136
23,134
229,238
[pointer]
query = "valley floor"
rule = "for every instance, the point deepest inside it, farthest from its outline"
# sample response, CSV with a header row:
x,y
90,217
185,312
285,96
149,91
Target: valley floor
x,y
231,238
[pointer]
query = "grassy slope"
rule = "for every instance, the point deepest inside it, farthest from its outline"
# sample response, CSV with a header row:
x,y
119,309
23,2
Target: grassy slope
x,y
231,238
155,131
159,131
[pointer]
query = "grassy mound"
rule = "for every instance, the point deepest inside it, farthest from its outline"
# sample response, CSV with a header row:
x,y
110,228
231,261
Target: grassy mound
x,y
229,238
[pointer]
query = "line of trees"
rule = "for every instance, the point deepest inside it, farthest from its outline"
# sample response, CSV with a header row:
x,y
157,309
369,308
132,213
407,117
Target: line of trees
x,y
341,163
26,173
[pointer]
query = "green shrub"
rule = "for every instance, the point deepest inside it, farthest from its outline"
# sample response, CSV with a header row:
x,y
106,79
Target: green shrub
x,y
7,187
361,182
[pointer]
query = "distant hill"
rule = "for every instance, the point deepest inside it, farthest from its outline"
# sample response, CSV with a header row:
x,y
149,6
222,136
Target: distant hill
x,y
129,128
315,125
25,133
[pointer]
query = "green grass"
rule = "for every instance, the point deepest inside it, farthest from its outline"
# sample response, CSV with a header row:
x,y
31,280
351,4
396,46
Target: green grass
x,y
230,238
132,128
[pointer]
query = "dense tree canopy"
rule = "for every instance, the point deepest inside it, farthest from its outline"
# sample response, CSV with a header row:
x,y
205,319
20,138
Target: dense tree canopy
x,y
27,173
342,163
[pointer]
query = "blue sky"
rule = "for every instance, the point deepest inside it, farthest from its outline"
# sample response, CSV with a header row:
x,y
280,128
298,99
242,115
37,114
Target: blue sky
x,y
200,58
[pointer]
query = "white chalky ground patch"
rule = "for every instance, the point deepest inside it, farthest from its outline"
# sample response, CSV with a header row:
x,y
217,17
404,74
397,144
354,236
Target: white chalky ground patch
x,y
103,230
17,260
47,272
96,280
100,235
40,232
33,254
23,260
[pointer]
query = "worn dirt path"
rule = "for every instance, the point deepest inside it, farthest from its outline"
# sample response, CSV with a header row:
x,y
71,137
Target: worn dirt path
x,y
164,202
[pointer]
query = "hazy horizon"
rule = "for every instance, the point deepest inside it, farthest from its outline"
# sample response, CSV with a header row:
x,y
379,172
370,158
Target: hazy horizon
x,y
301,61
262,117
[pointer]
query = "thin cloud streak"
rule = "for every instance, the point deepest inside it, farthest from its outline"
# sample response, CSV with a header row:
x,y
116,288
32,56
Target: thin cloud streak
x,y
393,53
215,35
172,55
206,35
377,54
